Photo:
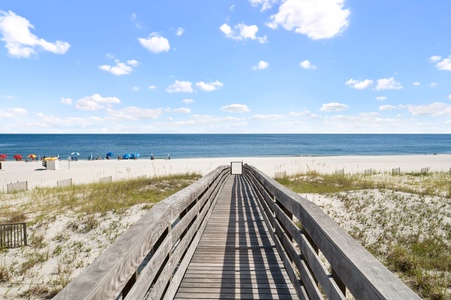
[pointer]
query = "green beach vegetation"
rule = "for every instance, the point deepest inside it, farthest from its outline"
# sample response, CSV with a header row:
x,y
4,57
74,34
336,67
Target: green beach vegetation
x,y
69,227
403,220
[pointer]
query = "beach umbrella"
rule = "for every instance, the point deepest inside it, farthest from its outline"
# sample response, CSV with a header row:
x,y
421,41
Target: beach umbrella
x,y
135,155
32,156
18,157
126,156
3,156
75,153
110,154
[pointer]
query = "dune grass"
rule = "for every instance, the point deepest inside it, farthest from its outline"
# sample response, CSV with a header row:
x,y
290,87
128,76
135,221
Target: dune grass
x,y
403,220
68,227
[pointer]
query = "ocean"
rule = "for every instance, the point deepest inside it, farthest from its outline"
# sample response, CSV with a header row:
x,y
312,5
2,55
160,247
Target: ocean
x,y
222,145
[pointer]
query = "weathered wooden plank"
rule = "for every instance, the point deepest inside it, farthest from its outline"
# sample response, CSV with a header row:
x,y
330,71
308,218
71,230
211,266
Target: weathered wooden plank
x,y
236,251
363,275
106,277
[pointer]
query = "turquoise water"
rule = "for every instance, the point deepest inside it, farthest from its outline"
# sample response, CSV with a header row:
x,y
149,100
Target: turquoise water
x,y
223,145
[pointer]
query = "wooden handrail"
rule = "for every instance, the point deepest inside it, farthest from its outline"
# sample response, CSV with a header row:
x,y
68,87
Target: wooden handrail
x,y
349,266
152,255
150,258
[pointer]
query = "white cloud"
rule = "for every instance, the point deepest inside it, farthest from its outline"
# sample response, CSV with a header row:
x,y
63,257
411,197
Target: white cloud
x,y
13,113
7,97
208,87
267,117
134,18
226,29
179,31
416,83
435,58
261,65
318,19
433,109
67,101
441,63
242,32
449,96
188,101
120,68
390,107
433,84
183,110
388,84
305,113
359,85
307,65
180,87
333,106
235,108
155,43
381,98
20,41
265,4
135,89
152,87
96,102
133,113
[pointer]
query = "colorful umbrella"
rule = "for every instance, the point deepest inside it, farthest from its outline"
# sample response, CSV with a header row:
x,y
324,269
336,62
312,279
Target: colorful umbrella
x,y
32,156
110,154
18,157
126,156
3,156
75,153
134,155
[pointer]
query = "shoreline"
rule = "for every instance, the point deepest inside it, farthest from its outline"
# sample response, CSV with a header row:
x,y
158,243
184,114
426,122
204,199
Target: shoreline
x,y
89,171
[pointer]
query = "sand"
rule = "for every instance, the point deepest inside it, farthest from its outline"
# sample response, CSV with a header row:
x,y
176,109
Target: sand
x,y
70,249
84,171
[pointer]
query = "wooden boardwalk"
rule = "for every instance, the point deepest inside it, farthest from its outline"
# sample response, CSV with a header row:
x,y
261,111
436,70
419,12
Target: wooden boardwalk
x,y
236,257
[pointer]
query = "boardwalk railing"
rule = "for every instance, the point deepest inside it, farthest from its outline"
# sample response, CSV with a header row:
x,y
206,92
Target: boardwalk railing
x,y
150,258
13,235
304,235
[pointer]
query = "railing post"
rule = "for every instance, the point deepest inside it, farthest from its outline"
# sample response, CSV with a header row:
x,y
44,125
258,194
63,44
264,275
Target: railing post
x,y
339,282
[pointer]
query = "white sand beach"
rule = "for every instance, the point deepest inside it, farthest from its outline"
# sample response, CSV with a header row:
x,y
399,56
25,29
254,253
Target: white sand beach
x,y
84,171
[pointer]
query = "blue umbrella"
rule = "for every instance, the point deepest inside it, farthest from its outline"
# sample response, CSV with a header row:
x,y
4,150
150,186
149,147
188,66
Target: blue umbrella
x,y
110,154
126,156
75,153
134,155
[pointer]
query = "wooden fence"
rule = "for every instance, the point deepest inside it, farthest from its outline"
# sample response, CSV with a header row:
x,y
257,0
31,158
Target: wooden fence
x,y
13,235
347,265
17,187
150,258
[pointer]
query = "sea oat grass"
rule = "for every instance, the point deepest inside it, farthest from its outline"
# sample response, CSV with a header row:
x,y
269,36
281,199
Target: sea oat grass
x,y
403,220
72,226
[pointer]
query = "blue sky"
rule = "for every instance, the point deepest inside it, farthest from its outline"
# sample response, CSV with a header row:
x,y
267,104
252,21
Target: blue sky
x,y
250,66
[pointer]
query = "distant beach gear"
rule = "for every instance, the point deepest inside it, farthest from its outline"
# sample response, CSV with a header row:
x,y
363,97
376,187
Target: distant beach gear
x,y
126,156
3,157
17,157
75,153
110,154
134,155
50,158
32,156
